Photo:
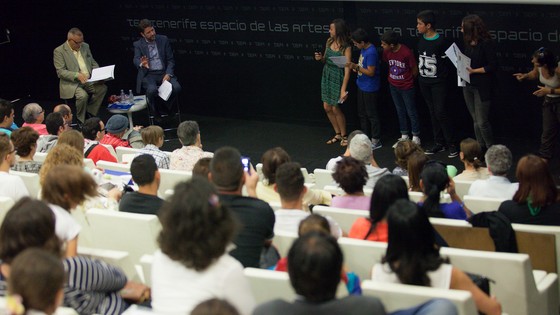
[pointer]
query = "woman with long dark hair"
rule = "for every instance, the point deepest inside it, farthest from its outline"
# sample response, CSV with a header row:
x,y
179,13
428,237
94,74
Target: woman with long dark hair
x,y
334,81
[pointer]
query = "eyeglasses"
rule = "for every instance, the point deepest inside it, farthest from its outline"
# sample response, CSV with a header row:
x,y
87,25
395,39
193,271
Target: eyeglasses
x,y
77,43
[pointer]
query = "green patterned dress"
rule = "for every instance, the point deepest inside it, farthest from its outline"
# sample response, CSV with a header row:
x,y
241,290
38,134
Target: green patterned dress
x,y
331,80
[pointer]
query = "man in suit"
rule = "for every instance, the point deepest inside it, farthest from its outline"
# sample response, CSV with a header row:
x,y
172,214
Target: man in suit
x,y
155,62
74,63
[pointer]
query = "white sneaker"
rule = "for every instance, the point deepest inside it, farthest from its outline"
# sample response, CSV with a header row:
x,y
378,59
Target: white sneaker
x,y
416,140
404,137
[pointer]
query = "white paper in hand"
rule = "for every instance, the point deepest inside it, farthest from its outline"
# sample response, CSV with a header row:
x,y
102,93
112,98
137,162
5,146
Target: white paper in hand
x,y
165,90
103,73
339,61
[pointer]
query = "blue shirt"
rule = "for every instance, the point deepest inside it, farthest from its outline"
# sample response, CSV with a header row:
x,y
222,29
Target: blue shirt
x,y
453,210
368,57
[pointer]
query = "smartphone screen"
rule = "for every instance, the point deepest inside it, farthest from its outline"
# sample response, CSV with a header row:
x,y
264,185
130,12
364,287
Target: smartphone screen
x,y
246,164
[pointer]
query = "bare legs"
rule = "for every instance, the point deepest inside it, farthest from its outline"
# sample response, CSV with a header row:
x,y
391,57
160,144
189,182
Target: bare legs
x,y
337,119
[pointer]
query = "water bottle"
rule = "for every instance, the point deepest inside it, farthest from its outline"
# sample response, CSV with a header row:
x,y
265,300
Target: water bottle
x,y
123,96
130,97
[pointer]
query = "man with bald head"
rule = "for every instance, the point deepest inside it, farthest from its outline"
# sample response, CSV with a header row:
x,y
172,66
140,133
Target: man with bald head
x,y
66,112
74,63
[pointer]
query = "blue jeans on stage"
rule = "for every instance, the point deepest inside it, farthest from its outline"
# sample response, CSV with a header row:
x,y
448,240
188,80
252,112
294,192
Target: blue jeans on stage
x,y
406,107
432,307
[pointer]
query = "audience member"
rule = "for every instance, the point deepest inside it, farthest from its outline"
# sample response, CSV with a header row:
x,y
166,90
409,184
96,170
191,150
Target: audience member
x,y
145,174
33,116
91,287
67,115
536,200
255,215
331,164
351,175
415,165
360,149
60,155
93,130
55,126
202,167
387,190
185,157
116,129
413,257
271,160
498,160
403,150
433,180
471,155
214,307
192,264
290,186
10,185
152,136
73,138
6,117
25,143
37,277
314,265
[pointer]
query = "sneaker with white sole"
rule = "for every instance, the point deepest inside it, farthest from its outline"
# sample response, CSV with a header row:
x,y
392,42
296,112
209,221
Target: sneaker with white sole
x,y
376,145
453,152
399,140
416,140
435,149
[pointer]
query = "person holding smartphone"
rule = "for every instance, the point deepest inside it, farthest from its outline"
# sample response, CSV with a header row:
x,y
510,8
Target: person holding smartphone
x,y
334,80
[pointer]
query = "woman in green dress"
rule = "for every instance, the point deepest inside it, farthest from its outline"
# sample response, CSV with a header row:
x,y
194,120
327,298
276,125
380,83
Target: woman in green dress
x,y
334,81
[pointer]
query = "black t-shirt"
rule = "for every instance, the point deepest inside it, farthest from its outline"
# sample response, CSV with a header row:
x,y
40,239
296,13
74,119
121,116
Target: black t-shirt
x,y
257,225
356,305
433,65
136,202
519,213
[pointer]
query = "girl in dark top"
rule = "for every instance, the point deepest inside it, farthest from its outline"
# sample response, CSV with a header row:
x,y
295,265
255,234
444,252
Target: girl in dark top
x,y
482,51
536,200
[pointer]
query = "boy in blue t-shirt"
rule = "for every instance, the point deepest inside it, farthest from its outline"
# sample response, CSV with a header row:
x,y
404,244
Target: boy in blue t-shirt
x,y
367,80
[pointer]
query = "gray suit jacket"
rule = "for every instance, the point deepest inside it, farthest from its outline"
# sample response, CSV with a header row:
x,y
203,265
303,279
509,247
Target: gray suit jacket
x,y
67,67
165,54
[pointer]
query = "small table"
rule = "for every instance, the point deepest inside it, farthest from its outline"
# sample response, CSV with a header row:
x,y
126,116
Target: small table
x,y
139,104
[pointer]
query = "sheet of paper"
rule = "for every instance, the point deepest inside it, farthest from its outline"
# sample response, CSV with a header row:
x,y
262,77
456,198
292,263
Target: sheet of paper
x,y
103,73
463,62
452,53
165,90
339,61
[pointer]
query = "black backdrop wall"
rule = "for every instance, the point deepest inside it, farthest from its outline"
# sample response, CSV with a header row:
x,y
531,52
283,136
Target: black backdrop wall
x,y
253,59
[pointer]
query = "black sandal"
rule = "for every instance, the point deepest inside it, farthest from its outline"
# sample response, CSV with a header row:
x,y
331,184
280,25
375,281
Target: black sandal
x,y
335,139
344,141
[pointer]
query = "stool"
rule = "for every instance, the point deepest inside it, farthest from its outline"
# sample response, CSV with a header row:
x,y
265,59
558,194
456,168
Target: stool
x,y
139,104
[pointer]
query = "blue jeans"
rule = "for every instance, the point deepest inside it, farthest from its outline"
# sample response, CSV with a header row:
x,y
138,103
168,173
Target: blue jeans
x,y
406,107
432,307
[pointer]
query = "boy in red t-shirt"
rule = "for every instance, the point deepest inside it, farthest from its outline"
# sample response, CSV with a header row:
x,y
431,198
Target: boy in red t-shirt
x,y
402,71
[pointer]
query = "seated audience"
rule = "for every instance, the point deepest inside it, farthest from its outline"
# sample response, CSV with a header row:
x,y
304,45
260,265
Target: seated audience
x,y
25,143
73,138
403,150
290,186
415,165
33,116
413,257
191,151
388,189
536,200
55,126
351,175
7,117
192,264
152,136
471,155
145,174
118,135
60,155
214,306
10,185
37,278
331,164
499,160
202,167
271,160
66,113
433,180
256,216
91,286
360,149
93,130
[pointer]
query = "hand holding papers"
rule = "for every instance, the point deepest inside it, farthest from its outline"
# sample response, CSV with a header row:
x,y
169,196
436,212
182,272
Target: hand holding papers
x,y
103,73
339,61
165,90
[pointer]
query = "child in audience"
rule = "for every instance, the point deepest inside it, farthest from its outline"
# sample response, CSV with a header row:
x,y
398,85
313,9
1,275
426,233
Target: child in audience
x,y
152,136
403,150
471,155
387,190
351,176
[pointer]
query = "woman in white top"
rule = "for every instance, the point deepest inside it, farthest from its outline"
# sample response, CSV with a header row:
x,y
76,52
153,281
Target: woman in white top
x,y
471,155
546,68
192,264
413,258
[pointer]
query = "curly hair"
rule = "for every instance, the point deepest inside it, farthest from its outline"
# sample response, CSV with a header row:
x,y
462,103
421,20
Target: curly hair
x,y
351,175
403,150
24,139
474,30
196,228
69,190
60,154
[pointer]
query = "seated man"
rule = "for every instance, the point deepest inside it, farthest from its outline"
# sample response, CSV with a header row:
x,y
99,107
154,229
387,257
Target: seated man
x,y
55,126
498,160
153,57
10,185
256,216
66,112
33,116
93,130
152,136
116,130
145,174
331,164
6,117
360,149
185,157
74,64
